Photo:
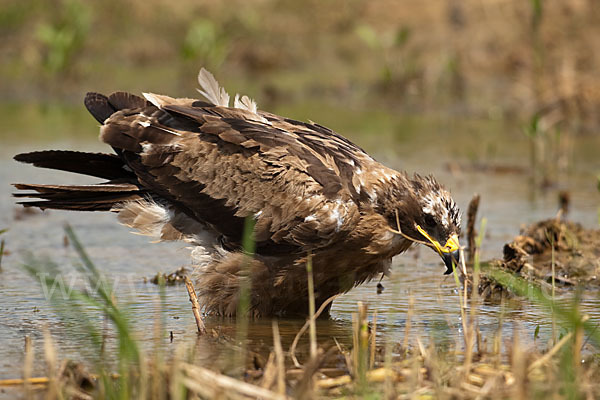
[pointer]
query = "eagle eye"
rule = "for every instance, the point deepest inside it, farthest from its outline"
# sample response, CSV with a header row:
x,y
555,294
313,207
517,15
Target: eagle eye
x,y
430,221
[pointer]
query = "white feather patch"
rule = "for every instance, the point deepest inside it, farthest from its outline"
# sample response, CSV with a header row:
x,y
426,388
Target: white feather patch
x,y
162,128
310,218
152,98
245,103
433,204
147,217
211,90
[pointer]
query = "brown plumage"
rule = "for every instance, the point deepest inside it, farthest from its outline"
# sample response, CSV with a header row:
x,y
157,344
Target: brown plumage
x,y
195,170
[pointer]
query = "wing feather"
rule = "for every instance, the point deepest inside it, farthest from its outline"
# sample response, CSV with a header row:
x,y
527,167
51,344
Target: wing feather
x,y
211,89
221,165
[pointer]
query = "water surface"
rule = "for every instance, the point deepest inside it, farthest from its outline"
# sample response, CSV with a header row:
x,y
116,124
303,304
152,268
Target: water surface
x,y
438,147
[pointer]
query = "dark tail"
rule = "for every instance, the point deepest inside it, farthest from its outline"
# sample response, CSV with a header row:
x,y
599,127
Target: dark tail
x,y
100,165
121,185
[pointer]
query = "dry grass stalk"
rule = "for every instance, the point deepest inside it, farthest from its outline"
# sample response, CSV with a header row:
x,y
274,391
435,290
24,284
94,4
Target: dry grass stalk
x,y
41,380
378,375
195,305
553,261
360,343
202,390
311,308
209,383
28,366
462,301
305,387
355,345
409,313
305,327
548,356
270,372
519,369
469,331
373,340
578,345
471,232
279,359
157,363
472,332
176,387
53,391
144,376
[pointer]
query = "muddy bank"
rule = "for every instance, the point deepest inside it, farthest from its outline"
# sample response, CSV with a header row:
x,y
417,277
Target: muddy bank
x,y
573,251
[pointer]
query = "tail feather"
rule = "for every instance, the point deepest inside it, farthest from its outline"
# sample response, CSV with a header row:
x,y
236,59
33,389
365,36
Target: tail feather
x,y
99,106
121,185
100,165
102,107
100,197
123,100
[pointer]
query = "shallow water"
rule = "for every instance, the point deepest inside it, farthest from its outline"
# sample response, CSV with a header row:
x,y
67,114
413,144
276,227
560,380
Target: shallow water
x,y
507,202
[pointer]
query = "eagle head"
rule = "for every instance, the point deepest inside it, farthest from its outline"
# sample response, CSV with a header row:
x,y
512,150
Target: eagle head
x,y
428,214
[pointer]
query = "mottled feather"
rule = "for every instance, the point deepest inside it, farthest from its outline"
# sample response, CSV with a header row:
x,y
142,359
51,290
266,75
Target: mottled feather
x,y
195,170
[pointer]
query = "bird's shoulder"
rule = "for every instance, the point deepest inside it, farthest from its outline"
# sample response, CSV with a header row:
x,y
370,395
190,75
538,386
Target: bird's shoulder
x,y
303,184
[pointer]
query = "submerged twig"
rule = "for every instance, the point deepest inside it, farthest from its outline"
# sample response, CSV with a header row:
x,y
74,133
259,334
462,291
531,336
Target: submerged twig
x,y
195,305
311,307
305,327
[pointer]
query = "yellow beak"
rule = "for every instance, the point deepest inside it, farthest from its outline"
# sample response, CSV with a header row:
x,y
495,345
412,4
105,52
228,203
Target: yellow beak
x,y
452,245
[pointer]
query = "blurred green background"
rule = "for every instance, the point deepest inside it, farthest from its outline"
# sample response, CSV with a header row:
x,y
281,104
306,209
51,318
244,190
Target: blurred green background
x,y
364,68
499,97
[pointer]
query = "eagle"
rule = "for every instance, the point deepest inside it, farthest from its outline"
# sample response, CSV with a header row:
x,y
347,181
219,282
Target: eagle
x,y
202,171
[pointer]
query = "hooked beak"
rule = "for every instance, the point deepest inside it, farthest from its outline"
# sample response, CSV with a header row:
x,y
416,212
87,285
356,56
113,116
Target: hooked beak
x,y
449,252
451,259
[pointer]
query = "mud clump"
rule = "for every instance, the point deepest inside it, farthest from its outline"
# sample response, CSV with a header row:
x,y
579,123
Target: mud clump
x,y
574,251
174,278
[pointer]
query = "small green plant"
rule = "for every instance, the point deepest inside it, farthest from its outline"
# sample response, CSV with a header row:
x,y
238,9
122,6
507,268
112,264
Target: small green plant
x,y
205,43
398,65
64,37
537,14
568,315
81,305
